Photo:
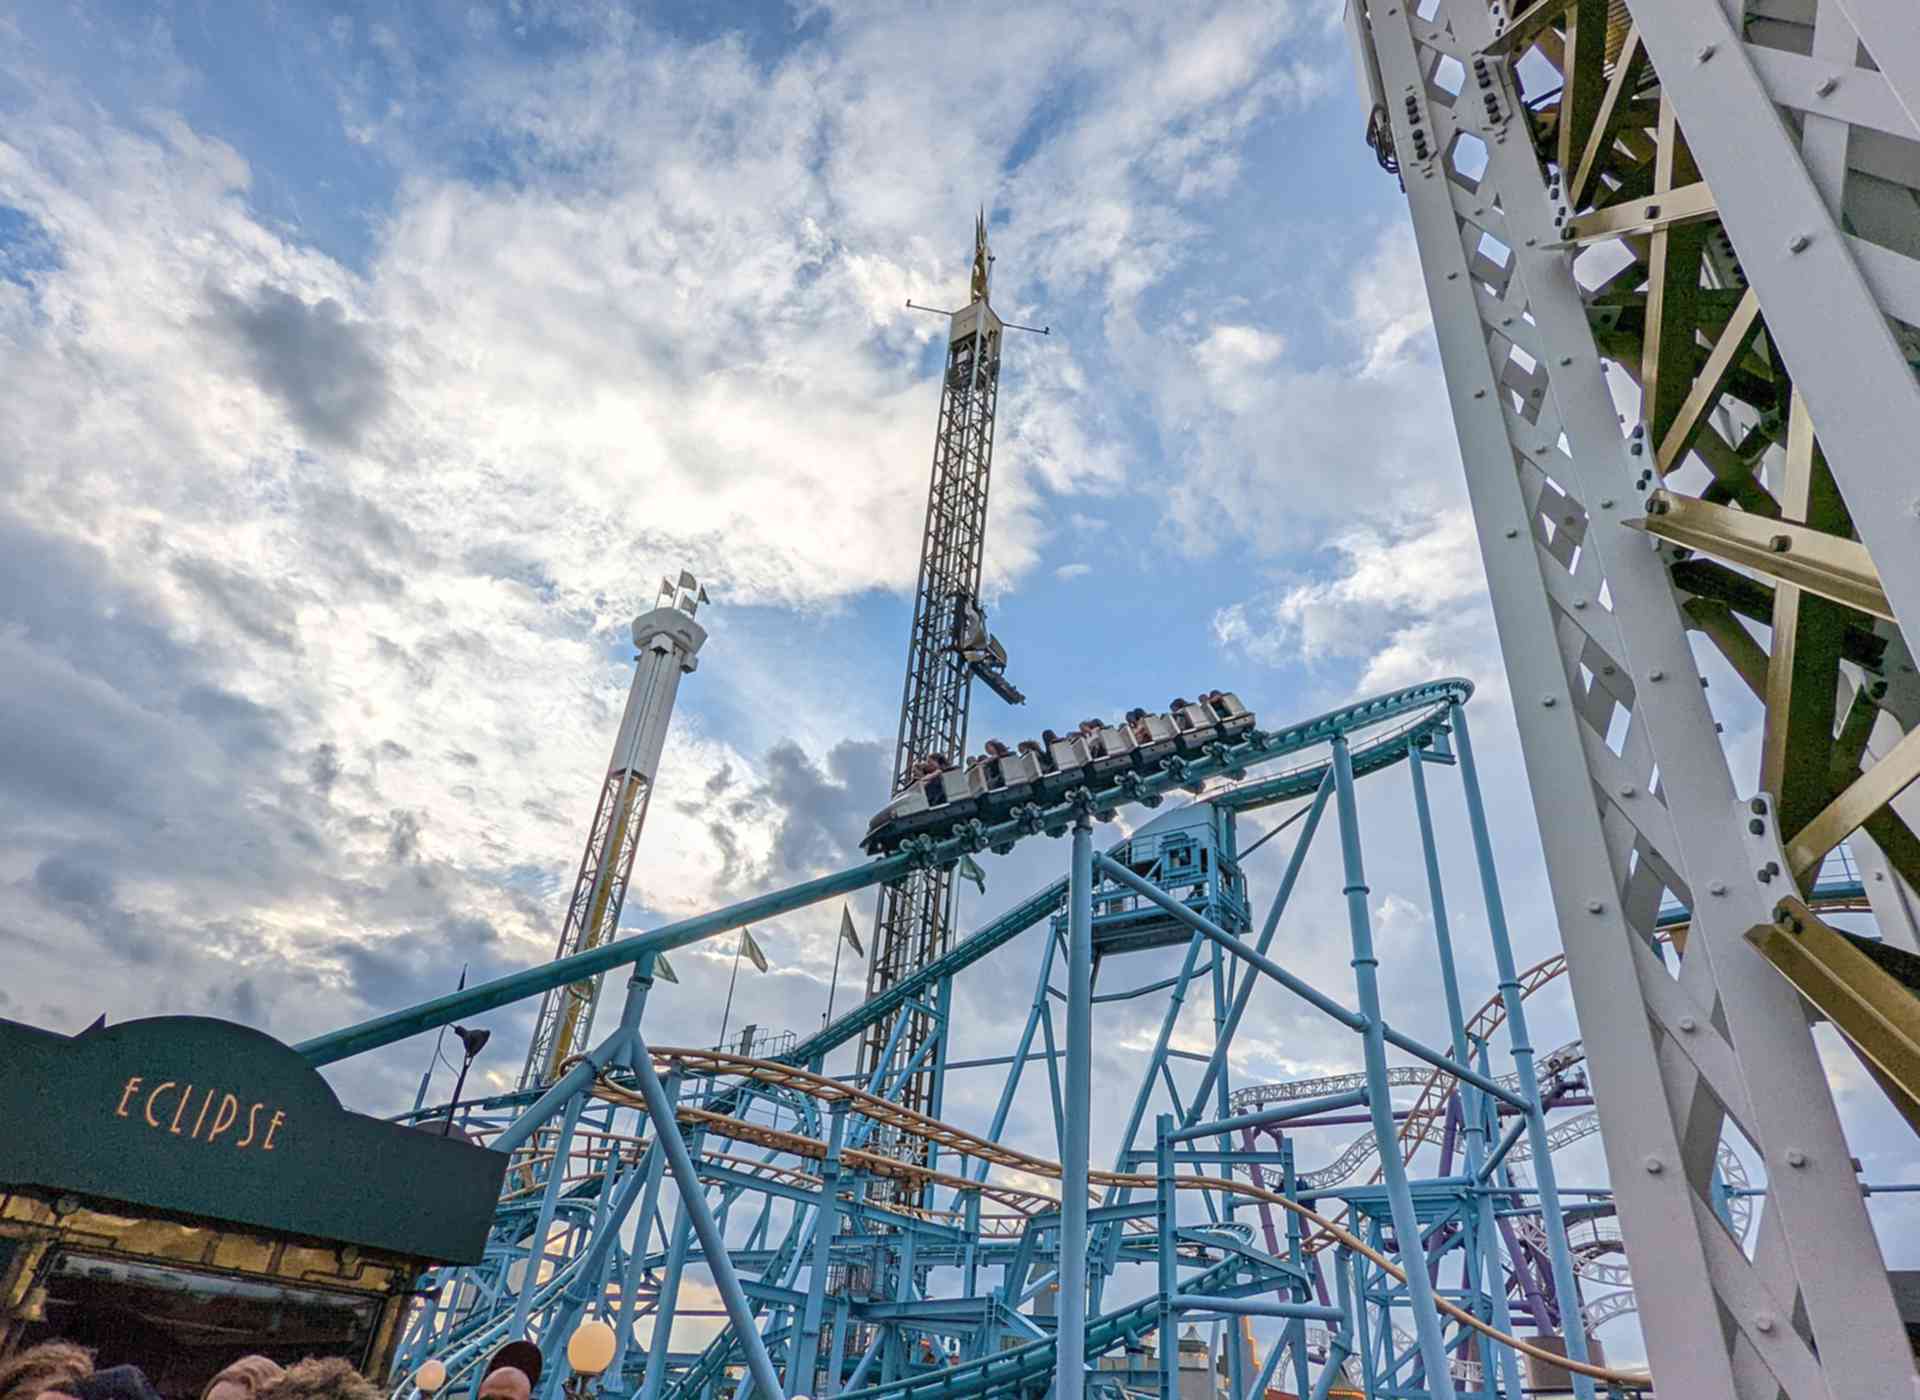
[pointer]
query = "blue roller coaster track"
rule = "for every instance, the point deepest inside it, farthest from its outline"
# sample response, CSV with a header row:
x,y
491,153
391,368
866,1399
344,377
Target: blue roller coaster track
x,y
649,1181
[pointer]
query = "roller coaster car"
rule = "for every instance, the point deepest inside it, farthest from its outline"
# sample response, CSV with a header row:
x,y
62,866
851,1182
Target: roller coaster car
x,y
1007,774
994,783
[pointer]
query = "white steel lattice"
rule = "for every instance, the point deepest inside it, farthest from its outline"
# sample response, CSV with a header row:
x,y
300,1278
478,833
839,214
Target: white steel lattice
x,y
1635,796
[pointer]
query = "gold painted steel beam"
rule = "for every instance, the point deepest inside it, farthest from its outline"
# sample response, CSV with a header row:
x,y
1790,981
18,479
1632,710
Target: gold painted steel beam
x,y
1669,348
1886,828
1803,675
1686,204
1862,799
1859,992
1527,27
1720,624
1583,81
1606,123
1781,550
1710,382
1730,470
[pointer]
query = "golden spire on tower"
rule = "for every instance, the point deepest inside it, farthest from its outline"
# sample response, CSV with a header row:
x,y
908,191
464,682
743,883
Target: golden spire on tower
x,y
982,259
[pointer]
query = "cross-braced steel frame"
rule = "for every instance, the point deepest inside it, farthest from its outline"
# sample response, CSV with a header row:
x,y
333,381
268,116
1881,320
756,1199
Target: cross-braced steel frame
x,y
1717,204
668,641
914,922
995,1266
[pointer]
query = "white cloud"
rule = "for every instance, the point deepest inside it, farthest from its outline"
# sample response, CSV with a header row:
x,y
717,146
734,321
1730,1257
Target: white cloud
x,y
1390,311
1406,604
1235,360
1284,438
383,524
1072,571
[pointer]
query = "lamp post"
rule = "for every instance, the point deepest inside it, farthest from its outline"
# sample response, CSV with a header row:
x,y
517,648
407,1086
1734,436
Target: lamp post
x,y
589,1352
473,1039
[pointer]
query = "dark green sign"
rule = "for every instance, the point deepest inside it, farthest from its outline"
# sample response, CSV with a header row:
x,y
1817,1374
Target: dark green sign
x,y
192,1116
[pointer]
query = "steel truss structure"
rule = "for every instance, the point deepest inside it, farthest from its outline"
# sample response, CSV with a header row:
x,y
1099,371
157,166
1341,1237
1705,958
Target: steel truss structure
x,y
913,924
667,643
1717,204
1002,1267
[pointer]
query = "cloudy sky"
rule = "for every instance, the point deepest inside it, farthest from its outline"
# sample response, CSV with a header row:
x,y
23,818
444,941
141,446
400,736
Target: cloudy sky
x,y
364,367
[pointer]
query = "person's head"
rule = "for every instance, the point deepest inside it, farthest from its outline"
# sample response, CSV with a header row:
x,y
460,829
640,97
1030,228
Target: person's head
x,y
114,1383
512,1372
49,1367
320,1378
244,1379
506,1383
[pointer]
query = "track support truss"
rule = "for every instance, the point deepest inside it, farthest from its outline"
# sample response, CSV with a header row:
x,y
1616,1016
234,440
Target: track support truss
x,y
1752,180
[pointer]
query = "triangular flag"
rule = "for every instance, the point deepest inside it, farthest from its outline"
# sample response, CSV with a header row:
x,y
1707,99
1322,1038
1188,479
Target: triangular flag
x,y
847,933
970,870
666,585
687,580
752,949
663,970
703,594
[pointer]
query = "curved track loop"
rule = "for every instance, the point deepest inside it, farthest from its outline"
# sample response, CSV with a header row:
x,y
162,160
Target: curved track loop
x,y
1425,1120
967,1145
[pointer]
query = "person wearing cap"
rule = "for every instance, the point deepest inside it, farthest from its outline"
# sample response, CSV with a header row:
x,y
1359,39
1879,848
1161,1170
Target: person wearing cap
x,y
512,1372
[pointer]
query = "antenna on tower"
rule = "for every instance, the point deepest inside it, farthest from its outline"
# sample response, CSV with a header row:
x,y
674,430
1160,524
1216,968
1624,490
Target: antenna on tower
x,y
982,275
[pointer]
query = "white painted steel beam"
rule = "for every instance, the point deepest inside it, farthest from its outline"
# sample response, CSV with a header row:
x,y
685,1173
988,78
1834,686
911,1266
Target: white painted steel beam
x,y
1677,1055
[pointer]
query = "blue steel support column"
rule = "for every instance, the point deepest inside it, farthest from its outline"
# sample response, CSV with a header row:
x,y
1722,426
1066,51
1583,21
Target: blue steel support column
x,y
563,1091
1244,993
1007,1091
936,1102
1406,1225
1342,1345
1297,1333
637,1259
667,1304
800,1377
1169,1279
837,1347
1235,1338
1564,1287
1468,1099
549,1199
1176,999
1356,1264
1070,1376
713,1245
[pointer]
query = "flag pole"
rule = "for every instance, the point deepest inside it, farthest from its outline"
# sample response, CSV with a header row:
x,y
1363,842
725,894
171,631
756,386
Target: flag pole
x,y
421,1097
833,987
727,1014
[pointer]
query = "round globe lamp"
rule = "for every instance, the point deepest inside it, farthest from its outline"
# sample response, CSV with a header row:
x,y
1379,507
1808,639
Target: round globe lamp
x,y
590,1349
431,1376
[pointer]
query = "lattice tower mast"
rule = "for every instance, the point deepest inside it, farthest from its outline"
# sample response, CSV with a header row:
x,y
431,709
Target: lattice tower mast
x,y
1753,172
667,641
914,921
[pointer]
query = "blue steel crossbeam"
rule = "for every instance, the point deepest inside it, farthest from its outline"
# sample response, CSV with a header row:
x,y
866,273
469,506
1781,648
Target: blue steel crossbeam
x,y
861,1247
